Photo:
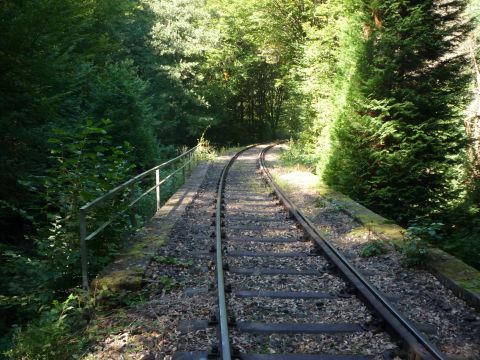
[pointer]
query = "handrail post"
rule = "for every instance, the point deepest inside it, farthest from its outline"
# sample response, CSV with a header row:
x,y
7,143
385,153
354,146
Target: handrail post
x,y
183,172
157,182
132,213
83,248
133,218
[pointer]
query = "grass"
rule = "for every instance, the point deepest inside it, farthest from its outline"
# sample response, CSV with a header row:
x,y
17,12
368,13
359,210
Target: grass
x,y
373,248
167,260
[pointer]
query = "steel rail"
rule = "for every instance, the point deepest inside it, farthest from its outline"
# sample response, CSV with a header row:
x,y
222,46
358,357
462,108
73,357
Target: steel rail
x,y
417,346
222,305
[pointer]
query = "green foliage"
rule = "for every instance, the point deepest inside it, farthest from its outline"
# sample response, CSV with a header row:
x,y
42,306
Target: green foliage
x,y
36,82
418,236
56,335
462,231
415,252
167,283
384,110
167,260
373,248
181,35
84,165
369,93
430,232
397,143
322,68
251,87
121,96
63,62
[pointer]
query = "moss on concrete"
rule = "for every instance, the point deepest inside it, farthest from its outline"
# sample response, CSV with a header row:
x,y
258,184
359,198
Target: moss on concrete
x,y
359,232
128,279
126,272
456,269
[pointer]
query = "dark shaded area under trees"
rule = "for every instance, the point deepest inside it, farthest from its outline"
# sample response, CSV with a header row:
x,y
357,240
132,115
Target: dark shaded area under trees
x,y
92,91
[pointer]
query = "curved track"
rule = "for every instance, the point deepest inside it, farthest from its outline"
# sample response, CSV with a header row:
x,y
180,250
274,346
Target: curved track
x,y
284,292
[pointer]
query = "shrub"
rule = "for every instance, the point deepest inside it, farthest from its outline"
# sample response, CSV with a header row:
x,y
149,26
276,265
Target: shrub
x,y
373,248
415,252
415,249
54,336
84,165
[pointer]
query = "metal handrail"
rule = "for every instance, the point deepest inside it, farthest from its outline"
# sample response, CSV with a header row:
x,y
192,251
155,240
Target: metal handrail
x,y
84,237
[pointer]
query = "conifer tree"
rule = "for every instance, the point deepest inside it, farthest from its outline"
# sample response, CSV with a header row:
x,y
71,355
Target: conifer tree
x,y
396,143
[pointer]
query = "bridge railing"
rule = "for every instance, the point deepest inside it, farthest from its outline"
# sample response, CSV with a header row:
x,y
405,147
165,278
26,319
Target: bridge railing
x,y
181,163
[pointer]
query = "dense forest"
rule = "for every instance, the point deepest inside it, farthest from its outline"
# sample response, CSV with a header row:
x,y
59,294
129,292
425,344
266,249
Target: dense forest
x,y
380,98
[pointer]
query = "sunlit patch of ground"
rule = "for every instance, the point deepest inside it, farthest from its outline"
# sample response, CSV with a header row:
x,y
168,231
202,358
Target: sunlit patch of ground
x,y
299,178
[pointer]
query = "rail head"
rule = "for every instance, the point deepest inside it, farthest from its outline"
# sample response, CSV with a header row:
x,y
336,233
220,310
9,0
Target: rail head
x,y
414,340
222,306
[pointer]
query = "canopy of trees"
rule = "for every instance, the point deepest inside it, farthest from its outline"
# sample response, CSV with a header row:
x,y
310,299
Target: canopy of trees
x,y
374,96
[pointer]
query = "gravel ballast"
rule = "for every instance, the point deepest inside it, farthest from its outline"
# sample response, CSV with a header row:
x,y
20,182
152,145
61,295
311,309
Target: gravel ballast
x,y
181,284
416,292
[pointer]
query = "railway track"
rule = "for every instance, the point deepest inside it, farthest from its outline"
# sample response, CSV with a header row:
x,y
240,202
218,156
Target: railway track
x,y
283,291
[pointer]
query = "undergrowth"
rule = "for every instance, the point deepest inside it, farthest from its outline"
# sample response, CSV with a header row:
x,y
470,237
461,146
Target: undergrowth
x,y
418,237
66,330
373,248
415,252
38,280
58,333
167,260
